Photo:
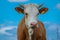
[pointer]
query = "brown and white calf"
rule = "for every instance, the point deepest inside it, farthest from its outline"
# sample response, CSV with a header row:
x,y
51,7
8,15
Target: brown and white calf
x,y
30,28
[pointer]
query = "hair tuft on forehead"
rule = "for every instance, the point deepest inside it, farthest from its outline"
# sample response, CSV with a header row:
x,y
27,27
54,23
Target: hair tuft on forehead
x,y
26,5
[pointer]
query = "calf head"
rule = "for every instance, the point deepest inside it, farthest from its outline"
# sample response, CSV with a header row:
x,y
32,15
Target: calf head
x,y
31,12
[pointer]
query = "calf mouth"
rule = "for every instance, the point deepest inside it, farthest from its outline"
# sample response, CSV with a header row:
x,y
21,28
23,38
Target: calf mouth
x,y
33,27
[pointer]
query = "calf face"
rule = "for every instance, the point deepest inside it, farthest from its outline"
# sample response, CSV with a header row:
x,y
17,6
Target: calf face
x,y
31,12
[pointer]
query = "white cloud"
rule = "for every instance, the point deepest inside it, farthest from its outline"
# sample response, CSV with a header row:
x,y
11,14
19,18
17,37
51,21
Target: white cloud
x,y
59,30
13,38
51,26
58,5
4,29
9,21
1,25
17,0
51,29
46,22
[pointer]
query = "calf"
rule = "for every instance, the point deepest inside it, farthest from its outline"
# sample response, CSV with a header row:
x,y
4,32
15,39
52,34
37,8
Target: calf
x,y
30,28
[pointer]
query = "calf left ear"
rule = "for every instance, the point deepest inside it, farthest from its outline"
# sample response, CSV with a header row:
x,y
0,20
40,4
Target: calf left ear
x,y
19,10
43,10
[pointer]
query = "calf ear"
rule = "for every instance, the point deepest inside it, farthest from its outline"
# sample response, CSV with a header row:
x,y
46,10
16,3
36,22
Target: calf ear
x,y
43,10
20,10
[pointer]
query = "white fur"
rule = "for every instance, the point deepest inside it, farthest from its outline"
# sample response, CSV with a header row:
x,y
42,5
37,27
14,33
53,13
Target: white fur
x,y
32,11
30,31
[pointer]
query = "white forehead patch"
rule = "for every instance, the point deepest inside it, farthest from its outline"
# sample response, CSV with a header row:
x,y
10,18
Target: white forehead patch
x,y
31,9
32,12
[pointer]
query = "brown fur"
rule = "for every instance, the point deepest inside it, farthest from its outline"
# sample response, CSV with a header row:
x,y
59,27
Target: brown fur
x,y
43,10
18,9
39,33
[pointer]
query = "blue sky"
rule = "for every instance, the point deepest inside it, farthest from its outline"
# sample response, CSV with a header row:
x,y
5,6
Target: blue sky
x,y
9,18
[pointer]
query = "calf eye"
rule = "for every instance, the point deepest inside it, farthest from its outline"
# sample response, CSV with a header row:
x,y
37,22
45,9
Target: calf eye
x,y
38,14
26,14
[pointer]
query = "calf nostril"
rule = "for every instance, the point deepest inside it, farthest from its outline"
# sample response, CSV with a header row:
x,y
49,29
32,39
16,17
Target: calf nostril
x,y
33,24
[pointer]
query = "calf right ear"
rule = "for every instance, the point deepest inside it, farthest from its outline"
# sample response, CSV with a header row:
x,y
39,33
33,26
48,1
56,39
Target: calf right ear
x,y
19,10
43,10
